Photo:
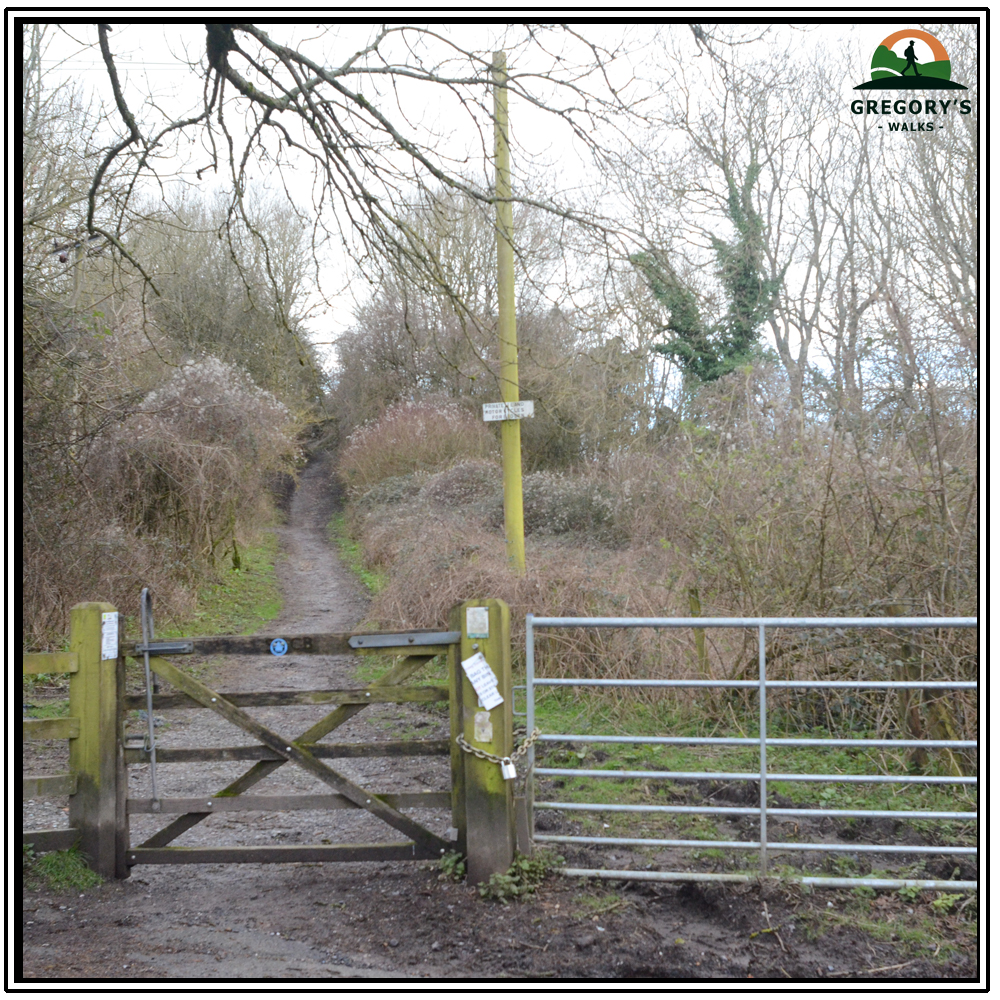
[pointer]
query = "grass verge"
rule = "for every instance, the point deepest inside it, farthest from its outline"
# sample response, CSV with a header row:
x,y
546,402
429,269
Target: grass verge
x,y
581,713
350,552
241,602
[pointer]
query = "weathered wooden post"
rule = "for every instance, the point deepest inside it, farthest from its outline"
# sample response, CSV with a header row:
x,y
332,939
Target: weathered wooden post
x,y
93,755
483,801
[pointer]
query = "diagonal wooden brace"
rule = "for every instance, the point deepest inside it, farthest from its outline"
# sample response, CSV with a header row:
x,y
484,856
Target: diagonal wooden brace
x,y
293,752
333,720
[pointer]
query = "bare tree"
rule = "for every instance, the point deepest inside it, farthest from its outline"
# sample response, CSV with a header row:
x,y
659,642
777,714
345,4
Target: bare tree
x,y
320,108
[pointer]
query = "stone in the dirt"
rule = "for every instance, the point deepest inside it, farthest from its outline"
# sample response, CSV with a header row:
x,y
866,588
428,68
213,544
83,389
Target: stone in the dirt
x,y
436,946
585,940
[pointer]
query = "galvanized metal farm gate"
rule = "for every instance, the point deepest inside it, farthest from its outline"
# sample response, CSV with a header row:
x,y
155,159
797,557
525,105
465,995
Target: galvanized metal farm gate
x,y
763,775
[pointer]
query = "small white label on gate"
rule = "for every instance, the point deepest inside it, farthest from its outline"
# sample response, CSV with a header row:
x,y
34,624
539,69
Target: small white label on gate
x,y
477,623
109,635
507,769
482,678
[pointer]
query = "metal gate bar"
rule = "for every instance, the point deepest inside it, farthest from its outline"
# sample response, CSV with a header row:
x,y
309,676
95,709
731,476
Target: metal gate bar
x,y
762,741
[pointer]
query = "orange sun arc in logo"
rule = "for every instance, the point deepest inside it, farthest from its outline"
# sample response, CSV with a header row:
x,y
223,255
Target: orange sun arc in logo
x,y
939,51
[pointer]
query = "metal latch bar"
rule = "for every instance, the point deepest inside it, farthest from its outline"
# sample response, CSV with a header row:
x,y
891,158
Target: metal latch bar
x,y
163,647
403,639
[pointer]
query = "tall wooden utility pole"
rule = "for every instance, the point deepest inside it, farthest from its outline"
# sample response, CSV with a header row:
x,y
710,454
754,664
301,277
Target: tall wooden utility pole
x,y
510,430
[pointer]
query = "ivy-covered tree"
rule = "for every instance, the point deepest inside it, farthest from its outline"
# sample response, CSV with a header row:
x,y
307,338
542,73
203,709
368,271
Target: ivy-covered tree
x,y
708,350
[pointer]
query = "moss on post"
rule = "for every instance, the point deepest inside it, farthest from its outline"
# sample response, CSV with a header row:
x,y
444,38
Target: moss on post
x,y
93,755
484,811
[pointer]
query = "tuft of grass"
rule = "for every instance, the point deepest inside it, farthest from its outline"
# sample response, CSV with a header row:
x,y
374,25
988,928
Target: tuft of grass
x,y
56,870
914,924
351,554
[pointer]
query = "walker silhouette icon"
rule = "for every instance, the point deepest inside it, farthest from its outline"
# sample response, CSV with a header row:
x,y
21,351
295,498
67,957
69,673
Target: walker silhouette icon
x,y
891,69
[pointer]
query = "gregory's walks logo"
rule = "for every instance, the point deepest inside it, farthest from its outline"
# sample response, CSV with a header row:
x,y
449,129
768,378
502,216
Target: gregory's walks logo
x,y
911,59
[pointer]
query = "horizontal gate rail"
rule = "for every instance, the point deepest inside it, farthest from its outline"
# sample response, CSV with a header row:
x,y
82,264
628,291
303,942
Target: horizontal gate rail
x,y
627,875
762,742
50,729
538,621
864,779
37,786
284,803
421,641
277,699
278,855
754,845
755,811
328,751
692,683
749,741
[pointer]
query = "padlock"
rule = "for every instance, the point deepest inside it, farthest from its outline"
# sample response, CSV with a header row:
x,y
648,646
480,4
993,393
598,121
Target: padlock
x,y
507,769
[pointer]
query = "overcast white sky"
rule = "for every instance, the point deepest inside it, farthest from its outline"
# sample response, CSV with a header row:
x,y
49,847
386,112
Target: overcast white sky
x,y
150,57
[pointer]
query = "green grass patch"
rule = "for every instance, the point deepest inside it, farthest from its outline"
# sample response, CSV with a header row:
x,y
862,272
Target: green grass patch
x,y
582,712
241,602
58,709
56,870
350,553
914,925
370,667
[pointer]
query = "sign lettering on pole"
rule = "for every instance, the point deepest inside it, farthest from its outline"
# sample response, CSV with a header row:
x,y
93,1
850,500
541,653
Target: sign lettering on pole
x,y
509,411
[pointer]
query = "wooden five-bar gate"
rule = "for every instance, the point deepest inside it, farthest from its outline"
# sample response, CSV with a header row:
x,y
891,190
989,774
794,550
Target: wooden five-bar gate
x,y
480,800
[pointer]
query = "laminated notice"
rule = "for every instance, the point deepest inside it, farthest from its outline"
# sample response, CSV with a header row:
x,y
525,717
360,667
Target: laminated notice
x,y
477,623
109,635
482,678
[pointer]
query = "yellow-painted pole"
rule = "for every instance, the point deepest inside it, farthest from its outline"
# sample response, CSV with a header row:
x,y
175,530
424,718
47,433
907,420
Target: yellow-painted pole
x,y
510,430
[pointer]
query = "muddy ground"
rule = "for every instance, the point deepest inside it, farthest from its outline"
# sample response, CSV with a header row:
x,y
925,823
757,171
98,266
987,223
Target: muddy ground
x,y
405,920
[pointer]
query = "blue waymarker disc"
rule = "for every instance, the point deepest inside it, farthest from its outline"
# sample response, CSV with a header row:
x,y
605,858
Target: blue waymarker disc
x,y
279,647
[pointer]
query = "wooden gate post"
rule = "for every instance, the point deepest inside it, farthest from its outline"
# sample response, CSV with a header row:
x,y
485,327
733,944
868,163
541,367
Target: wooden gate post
x,y
93,755
482,801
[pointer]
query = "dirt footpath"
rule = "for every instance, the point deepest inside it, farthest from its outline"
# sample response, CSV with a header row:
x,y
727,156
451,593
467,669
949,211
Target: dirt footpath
x,y
398,920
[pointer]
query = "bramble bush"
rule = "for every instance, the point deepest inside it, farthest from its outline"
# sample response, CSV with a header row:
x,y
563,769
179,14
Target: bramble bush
x,y
753,510
191,464
412,437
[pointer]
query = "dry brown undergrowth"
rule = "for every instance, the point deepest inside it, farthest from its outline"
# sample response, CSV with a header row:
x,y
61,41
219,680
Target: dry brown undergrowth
x,y
757,513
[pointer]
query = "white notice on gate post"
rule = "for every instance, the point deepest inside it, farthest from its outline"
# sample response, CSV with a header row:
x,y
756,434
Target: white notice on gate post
x,y
482,678
509,411
109,635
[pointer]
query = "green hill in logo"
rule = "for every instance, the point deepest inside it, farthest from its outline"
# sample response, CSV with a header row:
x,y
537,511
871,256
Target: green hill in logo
x,y
886,64
887,74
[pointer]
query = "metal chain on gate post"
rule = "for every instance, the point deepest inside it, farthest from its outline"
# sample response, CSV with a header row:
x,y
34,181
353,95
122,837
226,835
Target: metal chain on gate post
x,y
146,614
507,768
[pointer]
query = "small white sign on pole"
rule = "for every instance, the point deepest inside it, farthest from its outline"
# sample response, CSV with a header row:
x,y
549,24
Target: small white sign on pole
x,y
509,411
